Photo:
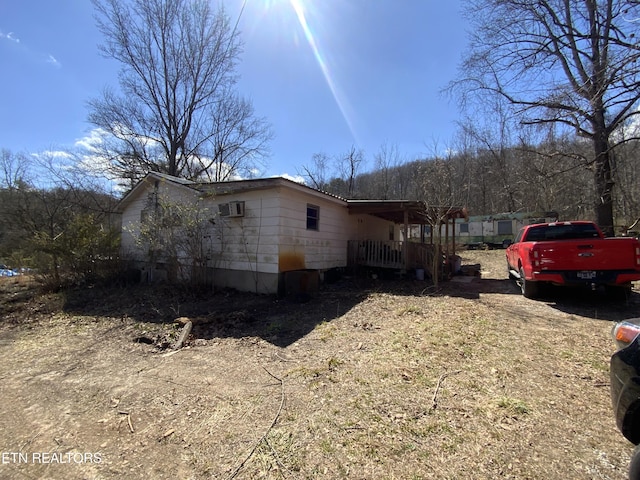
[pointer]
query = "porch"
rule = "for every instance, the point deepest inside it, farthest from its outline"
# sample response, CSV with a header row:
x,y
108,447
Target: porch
x,y
389,254
418,251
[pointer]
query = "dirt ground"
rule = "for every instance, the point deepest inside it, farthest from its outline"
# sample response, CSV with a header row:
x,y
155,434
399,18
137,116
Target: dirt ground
x,y
371,378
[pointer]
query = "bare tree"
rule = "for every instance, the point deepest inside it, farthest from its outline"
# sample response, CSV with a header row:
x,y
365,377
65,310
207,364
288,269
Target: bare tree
x,y
13,169
177,112
386,163
55,219
316,173
572,63
441,195
237,144
494,132
349,166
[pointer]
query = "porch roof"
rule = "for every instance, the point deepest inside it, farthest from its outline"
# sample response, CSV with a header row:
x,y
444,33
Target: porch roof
x,y
418,212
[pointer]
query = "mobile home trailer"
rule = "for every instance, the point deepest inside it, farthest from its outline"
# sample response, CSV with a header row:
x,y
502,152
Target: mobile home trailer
x,y
498,230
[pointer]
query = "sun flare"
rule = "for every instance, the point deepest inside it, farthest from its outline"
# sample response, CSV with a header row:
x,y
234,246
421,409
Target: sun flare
x,y
309,16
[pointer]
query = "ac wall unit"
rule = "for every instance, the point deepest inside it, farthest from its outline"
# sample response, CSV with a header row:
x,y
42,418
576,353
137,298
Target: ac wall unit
x,y
231,209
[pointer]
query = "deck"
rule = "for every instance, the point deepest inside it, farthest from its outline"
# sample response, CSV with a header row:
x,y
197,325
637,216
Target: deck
x,y
389,254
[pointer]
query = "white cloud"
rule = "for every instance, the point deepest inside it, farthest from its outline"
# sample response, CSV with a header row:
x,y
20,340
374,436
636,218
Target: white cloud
x,y
631,129
37,56
53,61
294,178
9,36
58,154
93,141
91,148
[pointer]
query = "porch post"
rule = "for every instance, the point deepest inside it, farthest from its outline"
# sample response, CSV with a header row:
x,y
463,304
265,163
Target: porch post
x,y
453,234
446,237
405,246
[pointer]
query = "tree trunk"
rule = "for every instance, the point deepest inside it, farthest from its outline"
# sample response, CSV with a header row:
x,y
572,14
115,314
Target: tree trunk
x,y
604,204
603,174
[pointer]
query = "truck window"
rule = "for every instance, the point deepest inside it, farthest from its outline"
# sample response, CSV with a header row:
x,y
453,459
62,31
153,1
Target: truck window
x,y
519,237
562,232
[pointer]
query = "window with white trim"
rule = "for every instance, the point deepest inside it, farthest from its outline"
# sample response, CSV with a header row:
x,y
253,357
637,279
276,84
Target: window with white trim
x,y
313,217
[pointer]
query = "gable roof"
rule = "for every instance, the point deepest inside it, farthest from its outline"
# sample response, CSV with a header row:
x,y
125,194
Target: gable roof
x,y
239,186
149,179
222,188
417,212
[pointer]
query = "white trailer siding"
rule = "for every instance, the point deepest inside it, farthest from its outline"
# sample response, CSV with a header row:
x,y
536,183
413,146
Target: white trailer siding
x,y
248,242
252,251
308,248
149,192
272,237
498,228
368,227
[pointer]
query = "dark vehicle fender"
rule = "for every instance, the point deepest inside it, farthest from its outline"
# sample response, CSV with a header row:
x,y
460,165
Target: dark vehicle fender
x,y
625,390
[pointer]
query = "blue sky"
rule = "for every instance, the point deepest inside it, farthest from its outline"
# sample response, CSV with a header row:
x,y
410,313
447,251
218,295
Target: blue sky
x,y
345,73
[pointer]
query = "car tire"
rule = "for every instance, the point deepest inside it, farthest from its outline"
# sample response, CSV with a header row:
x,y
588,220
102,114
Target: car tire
x,y
634,465
529,289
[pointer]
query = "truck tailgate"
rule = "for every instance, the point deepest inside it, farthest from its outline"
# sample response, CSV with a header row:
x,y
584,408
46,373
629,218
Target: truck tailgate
x,y
589,254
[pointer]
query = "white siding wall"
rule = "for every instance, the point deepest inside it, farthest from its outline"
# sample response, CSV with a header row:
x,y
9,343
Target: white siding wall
x,y
312,249
132,214
250,252
131,224
272,236
250,242
368,227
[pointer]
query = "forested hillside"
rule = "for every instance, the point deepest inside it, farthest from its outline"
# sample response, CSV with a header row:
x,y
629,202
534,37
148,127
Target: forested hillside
x,y
60,219
492,179
56,220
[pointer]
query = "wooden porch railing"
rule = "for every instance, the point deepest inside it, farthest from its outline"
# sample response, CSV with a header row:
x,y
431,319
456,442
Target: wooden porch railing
x,y
389,254
372,253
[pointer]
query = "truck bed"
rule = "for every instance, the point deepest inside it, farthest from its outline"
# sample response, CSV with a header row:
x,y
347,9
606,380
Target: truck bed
x,y
572,253
589,254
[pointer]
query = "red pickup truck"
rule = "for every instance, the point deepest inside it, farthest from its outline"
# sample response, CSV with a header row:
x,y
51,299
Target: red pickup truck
x,y
571,253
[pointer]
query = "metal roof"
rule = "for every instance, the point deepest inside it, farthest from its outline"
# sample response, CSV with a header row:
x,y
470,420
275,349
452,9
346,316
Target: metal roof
x,y
418,212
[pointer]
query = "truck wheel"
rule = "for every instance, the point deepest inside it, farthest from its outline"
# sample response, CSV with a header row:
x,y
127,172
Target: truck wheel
x,y
634,465
529,288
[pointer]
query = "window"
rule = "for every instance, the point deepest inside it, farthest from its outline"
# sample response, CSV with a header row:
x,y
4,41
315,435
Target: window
x,y
464,228
505,227
392,232
562,232
313,217
519,237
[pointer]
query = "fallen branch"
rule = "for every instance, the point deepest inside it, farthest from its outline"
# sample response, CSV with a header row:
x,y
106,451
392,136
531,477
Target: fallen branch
x,y
128,414
263,438
129,422
184,334
434,400
275,455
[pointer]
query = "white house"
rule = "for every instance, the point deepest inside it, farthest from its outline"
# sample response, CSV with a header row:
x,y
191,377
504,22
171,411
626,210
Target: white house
x,y
261,235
